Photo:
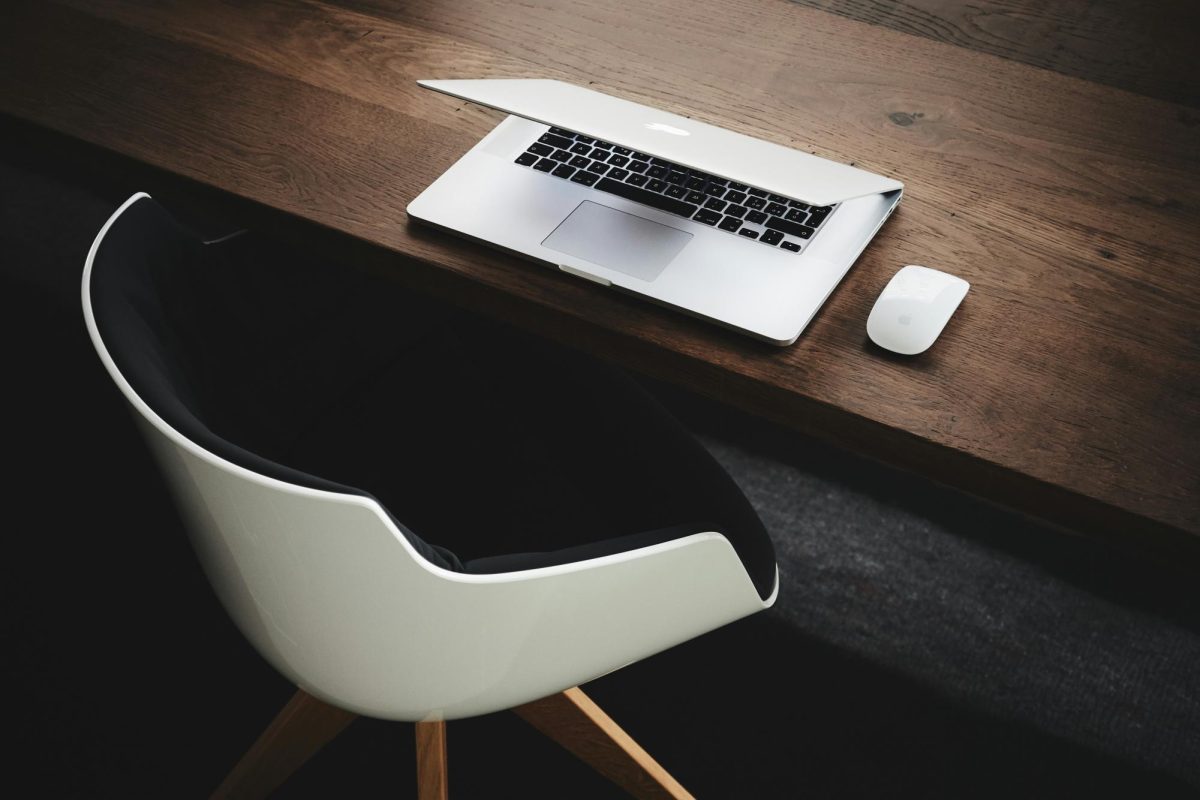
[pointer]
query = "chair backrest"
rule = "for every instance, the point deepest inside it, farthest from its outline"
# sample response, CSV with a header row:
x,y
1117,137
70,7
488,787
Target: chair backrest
x,y
333,592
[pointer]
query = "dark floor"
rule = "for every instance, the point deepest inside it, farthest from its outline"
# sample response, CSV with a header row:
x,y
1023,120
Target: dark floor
x,y
923,644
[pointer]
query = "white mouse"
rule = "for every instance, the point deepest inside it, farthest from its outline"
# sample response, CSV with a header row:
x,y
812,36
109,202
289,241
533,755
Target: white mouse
x,y
913,309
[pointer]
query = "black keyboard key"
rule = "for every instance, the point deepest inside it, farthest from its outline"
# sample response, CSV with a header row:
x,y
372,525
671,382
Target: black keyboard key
x,y
555,141
527,159
749,233
585,177
563,171
603,145
621,151
757,217
561,156
800,231
618,160
637,180
771,237
545,165
598,168
818,215
798,204
582,149
637,166
656,171
696,197
738,187
735,196
730,224
618,174
668,204
658,162
775,198
675,191
757,192
598,153
640,156
579,162
736,211
696,183
540,149
796,215
793,246
676,178
755,202
579,137
822,209
718,181
776,209
656,185
707,217
714,190
715,204
561,132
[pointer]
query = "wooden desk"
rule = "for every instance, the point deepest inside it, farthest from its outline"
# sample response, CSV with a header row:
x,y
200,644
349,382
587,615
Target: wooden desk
x,y
1050,155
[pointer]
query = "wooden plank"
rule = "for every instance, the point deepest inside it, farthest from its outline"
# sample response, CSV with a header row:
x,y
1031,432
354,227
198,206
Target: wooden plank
x,y
1066,384
1142,47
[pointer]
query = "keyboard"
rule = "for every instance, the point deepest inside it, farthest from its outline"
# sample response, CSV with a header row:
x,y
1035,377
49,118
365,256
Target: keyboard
x,y
729,206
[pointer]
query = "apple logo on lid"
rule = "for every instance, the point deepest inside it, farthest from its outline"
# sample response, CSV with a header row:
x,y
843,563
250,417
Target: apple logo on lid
x,y
665,128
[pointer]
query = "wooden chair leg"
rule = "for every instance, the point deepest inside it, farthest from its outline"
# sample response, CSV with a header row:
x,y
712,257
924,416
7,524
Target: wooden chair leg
x,y
579,725
431,761
303,727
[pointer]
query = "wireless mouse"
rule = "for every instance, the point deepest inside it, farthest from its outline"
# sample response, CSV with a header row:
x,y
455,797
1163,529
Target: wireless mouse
x,y
913,309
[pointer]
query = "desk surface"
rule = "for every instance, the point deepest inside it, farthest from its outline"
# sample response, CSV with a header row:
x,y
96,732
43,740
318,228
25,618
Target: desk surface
x,y
1050,154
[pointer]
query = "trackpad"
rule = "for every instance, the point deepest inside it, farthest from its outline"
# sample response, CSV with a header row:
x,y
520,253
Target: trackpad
x,y
620,241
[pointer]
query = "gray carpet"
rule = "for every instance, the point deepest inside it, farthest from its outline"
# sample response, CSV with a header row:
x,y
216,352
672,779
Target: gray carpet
x,y
924,644
988,628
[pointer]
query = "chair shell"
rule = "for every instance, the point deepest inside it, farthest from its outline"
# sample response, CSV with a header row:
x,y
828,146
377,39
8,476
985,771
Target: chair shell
x,y
333,595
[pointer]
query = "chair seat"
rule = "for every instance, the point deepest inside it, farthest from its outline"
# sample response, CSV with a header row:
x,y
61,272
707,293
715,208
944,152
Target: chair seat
x,y
493,451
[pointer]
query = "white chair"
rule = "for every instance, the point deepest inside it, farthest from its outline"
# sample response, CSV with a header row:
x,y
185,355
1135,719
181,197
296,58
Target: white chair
x,y
361,613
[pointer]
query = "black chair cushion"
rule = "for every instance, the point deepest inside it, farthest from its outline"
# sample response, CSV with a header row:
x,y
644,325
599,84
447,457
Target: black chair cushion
x,y
492,450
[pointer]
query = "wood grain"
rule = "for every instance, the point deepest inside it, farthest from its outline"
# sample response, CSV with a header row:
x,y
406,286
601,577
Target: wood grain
x,y
303,727
1145,48
432,775
1065,386
573,720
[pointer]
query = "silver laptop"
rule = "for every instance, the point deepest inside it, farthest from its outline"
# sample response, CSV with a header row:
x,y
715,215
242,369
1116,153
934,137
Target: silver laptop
x,y
742,232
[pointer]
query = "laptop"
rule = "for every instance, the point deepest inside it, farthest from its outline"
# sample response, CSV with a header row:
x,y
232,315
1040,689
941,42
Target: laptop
x,y
742,232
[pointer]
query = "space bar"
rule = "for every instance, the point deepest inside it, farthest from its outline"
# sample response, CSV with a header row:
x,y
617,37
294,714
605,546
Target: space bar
x,y
652,199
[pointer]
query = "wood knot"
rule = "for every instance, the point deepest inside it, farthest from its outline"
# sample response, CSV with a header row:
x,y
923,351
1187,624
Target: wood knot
x,y
904,118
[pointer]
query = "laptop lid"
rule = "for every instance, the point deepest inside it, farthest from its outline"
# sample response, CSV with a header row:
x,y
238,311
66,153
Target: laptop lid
x,y
693,144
